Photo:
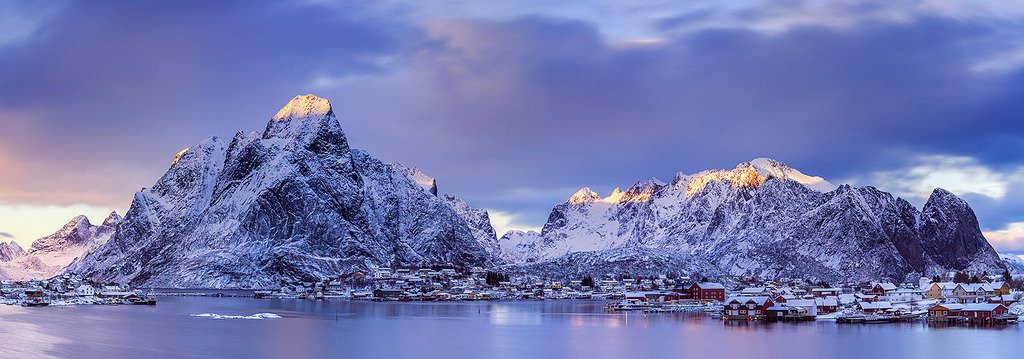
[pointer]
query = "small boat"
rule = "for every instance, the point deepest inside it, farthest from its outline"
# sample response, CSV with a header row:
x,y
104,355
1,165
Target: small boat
x,y
147,300
851,318
877,319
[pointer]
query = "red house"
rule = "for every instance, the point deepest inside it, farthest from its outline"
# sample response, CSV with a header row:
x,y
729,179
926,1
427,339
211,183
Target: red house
x,y
708,291
827,305
982,312
883,289
746,307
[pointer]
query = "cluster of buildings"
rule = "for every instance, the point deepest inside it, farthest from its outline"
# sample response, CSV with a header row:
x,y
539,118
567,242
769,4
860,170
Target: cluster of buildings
x,y
878,302
68,290
449,283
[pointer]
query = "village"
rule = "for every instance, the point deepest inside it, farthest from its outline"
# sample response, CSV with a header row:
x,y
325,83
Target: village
x,y
989,300
66,290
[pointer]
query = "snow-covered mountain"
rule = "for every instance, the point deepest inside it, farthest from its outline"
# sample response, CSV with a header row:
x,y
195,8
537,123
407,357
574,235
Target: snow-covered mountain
x,y
1014,263
48,255
765,220
10,250
290,202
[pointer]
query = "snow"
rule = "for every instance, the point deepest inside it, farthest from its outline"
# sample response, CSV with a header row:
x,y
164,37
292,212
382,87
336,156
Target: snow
x,y
584,195
48,255
290,203
1013,262
764,219
256,316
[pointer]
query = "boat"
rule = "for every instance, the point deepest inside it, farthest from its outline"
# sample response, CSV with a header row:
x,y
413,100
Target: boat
x,y
878,319
146,300
850,318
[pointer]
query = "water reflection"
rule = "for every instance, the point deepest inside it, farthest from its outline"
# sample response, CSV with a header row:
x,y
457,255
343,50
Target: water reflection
x,y
459,330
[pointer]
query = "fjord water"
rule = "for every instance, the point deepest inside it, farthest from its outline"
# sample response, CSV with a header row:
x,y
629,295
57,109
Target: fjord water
x,y
555,329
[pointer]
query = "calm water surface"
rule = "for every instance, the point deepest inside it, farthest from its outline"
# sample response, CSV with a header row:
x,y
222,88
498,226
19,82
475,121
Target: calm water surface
x,y
554,329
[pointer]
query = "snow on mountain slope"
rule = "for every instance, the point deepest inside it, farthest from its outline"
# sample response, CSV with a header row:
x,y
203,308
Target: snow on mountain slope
x,y
1013,262
48,255
518,246
766,220
292,202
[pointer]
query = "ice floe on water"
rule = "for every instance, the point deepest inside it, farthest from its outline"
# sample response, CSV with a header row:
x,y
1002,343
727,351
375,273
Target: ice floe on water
x,y
225,316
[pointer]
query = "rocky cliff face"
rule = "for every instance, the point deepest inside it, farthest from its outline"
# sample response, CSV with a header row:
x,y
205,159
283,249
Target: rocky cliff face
x,y
48,255
766,220
291,202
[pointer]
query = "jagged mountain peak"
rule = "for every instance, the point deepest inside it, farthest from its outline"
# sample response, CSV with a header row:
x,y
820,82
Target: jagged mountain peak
x,y
10,250
422,179
77,222
307,106
751,174
310,121
584,195
112,219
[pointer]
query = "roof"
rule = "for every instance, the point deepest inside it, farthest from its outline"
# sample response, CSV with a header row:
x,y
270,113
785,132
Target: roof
x,y
828,302
801,303
949,306
886,286
875,305
981,307
759,300
826,290
709,285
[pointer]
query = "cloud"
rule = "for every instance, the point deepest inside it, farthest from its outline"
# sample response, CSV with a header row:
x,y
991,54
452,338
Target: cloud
x,y
6,235
504,221
491,97
21,21
959,174
1008,239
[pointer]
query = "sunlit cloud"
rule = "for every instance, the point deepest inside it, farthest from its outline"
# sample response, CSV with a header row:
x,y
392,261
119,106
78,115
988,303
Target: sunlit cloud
x,y
958,174
1009,239
505,221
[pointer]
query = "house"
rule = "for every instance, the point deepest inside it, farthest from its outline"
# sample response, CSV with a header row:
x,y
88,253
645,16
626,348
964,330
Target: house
x,y
825,292
746,307
382,273
785,312
85,290
971,293
905,294
708,291
983,312
945,310
882,289
807,306
939,290
874,307
999,288
827,305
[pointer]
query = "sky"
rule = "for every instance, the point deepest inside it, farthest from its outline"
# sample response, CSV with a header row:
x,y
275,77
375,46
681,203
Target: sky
x,y
513,106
